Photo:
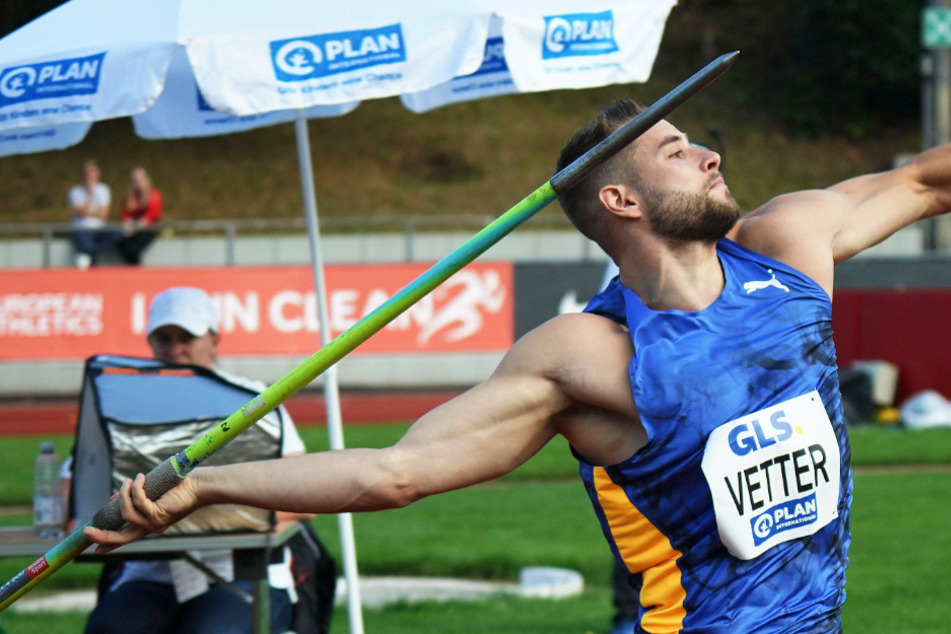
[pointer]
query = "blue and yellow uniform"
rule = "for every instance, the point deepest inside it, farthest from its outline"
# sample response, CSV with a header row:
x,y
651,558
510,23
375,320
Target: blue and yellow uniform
x,y
734,517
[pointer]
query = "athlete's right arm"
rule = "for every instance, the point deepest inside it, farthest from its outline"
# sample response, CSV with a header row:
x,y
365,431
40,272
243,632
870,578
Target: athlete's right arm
x,y
481,434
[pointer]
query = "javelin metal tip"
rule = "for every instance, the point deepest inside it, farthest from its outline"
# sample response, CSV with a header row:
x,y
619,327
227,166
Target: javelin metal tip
x,y
727,59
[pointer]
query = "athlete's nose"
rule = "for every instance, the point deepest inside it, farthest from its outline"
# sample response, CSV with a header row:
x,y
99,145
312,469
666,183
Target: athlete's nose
x,y
711,160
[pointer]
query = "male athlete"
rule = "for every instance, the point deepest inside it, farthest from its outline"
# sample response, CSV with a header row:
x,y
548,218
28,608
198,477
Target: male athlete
x,y
723,485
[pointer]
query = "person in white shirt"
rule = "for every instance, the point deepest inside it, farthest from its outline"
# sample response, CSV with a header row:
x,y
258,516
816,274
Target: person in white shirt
x,y
89,203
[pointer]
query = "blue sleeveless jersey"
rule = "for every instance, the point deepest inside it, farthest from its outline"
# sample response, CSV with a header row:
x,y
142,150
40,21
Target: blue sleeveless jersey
x,y
734,517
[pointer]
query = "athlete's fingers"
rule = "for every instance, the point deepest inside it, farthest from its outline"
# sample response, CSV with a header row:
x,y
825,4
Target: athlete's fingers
x,y
107,541
145,508
173,505
136,510
133,503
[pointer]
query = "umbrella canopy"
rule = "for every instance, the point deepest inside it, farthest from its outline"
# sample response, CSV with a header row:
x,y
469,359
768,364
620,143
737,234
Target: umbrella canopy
x,y
96,59
177,65
537,46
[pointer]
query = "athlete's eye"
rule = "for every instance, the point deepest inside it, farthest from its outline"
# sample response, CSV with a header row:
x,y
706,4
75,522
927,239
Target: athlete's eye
x,y
677,154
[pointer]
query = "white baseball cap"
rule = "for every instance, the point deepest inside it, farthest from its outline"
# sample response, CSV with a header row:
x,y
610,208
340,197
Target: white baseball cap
x,y
185,307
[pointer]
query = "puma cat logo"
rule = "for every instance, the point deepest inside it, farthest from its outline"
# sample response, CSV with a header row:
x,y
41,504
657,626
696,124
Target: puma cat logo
x,y
759,285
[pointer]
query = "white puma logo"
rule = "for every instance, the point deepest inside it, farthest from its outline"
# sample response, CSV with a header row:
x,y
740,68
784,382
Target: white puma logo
x,y
759,285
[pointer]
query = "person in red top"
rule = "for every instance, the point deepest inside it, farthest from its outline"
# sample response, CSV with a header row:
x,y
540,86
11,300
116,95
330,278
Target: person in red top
x,y
141,210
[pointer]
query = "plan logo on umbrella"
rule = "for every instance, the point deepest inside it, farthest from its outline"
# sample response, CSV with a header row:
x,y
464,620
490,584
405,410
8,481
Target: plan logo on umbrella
x,y
579,34
60,78
316,56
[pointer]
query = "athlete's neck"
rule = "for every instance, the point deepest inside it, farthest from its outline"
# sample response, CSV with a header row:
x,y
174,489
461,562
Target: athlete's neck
x,y
684,277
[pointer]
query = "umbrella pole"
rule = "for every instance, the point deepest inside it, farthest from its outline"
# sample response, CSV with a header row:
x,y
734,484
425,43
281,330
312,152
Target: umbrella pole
x,y
331,387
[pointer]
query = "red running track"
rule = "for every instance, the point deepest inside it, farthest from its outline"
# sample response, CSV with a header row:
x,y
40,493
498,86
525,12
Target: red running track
x,y
59,417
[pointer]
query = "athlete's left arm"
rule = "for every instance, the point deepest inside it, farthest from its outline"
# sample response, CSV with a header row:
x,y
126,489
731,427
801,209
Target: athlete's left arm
x,y
878,205
812,230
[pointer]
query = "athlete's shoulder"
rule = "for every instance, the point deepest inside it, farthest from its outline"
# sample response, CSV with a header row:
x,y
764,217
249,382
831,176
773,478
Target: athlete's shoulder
x,y
801,212
796,229
573,330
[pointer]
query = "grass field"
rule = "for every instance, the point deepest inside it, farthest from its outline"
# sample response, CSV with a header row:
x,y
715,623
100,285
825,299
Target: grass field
x,y
539,515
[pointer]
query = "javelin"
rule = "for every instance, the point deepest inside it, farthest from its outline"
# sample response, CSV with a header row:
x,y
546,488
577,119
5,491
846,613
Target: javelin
x,y
170,472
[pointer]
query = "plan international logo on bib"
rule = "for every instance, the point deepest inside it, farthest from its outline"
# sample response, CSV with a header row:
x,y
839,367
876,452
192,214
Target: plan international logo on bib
x,y
48,80
784,517
577,34
316,56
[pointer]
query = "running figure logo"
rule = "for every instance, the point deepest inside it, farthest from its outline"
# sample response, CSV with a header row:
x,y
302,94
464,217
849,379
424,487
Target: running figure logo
x,y
758,285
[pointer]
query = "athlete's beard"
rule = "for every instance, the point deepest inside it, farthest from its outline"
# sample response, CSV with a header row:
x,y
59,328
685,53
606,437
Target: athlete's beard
x,y
685,217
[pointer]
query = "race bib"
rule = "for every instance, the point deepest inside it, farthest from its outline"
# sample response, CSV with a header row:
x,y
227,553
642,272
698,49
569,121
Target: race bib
x,y
773,475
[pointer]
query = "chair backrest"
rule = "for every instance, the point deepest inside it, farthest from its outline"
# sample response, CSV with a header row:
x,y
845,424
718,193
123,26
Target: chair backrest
x,y
134,413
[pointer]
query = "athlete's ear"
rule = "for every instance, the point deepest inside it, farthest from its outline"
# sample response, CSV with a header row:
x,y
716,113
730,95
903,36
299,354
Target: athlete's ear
x,y
621,200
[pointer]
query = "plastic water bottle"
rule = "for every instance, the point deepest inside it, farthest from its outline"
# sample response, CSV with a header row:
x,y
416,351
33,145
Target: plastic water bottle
x,y
47,497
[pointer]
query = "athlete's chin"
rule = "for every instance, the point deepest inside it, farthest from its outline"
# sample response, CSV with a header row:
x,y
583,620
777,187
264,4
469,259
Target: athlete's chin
x,y
725,204
721,193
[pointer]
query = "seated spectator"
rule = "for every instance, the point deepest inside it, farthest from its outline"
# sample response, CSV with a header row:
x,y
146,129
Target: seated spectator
x,y
141,210
170,596
89,203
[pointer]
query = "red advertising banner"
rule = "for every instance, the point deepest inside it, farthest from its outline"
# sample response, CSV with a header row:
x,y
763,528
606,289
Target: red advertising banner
x,y
71,314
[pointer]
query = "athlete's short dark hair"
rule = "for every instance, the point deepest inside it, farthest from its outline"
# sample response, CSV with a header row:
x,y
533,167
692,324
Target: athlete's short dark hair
x,y
579,203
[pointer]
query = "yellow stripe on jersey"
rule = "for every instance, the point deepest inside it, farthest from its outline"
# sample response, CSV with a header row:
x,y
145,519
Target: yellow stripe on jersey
x,y
646,551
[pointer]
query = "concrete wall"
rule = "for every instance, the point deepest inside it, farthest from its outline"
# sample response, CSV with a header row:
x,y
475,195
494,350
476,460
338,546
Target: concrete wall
x,y
523,245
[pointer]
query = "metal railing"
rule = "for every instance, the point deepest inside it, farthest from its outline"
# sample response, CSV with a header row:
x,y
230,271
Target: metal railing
x,y
230,229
